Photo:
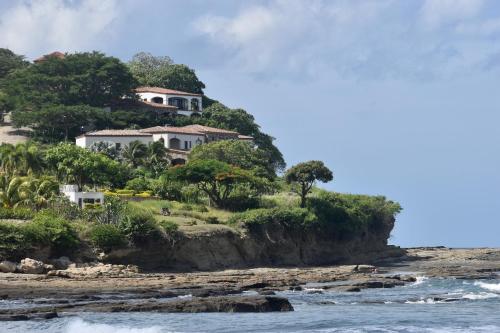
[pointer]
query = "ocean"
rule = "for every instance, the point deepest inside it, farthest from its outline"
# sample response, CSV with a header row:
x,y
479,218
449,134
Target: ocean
x,y
428,305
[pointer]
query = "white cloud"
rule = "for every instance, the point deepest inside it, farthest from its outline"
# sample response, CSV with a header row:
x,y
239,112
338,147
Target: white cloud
x,y
435,13
37,27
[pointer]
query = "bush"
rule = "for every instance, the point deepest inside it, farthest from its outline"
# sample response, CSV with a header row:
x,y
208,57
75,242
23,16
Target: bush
x,y
16,213
139,226
14,240
292,217
137,185
169,227
143,195
124,192
194,208
50,228
212,220
167,189
107,237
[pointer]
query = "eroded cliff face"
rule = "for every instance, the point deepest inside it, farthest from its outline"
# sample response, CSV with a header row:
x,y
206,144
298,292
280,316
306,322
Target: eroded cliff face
x,y
260,245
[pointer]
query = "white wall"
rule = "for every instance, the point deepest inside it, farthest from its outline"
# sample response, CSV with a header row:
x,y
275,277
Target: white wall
x,y
88,141
182,137
148,96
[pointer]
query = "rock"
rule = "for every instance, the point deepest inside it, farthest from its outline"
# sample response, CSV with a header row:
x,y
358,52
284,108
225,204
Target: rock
x,y
379,284
363,268
7,267
350,289
197,305
267,293
61,263
296,288
31,266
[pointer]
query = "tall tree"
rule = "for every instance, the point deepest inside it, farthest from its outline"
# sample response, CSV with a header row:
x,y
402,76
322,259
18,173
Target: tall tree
x,y
134,153
157,71
9,61
305,175
81,78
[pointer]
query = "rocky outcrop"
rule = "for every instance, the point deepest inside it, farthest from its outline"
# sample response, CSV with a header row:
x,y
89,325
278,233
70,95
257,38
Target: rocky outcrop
x,y
262,245
32,266
7,266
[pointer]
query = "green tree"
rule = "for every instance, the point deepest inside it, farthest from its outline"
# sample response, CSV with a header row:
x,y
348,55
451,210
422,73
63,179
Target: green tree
x,y
235,152
156,71
215,178
305,175
21,159
27,191
9,61
54,123
134,153
82,78
157,158
218,115
73,164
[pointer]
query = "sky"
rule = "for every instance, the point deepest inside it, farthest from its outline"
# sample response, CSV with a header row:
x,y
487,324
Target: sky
x,y
398,98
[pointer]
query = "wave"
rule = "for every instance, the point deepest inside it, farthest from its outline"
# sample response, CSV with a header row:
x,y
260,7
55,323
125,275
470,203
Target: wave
x,y
482,295
495,287
419,280
80,326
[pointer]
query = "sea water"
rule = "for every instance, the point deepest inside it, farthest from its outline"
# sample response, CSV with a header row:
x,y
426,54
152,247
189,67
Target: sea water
x,y
428,305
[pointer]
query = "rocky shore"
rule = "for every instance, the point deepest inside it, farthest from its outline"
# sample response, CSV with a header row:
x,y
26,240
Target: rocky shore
x,y
118,288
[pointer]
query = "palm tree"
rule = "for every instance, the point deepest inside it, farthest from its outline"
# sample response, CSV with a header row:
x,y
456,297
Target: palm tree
x,y
134,153
157,158
22,159
9,194
27,191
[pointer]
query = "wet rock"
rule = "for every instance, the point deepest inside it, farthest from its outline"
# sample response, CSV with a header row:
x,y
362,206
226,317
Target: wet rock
x,y
20,316
350,289
363,269
7,266
379,284
61,263
296,288
254,285
267,293
31,266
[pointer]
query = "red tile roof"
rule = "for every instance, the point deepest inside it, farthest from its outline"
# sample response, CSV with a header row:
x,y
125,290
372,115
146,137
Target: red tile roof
x,y
171,129
159,90
210,130
55,54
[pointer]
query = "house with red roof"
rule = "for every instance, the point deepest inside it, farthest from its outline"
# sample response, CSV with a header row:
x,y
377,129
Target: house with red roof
x,y
184,103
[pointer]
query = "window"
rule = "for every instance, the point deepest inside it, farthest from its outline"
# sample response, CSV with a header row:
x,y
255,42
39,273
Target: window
x,y
195,106
190,144
157,100
186,145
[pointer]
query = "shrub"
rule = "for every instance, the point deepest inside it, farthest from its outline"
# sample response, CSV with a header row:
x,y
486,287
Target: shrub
x,y
50,228
17,213
107,237
139,226
169,227
212,220
124,192
14,239
292,217
143,195
137,185
167,189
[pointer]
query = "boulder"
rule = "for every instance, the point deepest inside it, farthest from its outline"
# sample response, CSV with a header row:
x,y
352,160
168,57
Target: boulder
x,y
61,263
7,267
31,266
363,269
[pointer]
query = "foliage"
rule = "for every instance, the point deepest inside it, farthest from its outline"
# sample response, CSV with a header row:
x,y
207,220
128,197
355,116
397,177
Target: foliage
x,y
107,237
27,191
139,226
347,213
305,175
21,159
107,148
17,213
51,229
58,122
235,152
134,153
162,72
89,78
74,164
215,178
9,61
168,227
139,184
291,217
112,211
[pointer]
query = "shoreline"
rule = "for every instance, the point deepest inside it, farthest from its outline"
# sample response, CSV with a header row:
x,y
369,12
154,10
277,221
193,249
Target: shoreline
x,y
103,293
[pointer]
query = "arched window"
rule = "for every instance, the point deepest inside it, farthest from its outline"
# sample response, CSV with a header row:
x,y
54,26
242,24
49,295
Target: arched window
x,y
174,143
158,100
181,103
195,105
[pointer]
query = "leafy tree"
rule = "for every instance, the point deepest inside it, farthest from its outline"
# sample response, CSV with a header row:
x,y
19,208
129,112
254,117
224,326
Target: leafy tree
x,y
53,123
81,78
235,152
107,148
9,61
215,178
134,153
27,191
157,158
22,159
305,175
155,71
73,164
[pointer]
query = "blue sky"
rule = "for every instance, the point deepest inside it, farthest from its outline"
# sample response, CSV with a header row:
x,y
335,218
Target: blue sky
x,y
399,98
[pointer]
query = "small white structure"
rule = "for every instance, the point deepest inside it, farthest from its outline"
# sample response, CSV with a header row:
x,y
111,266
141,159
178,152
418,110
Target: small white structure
x,y
81,198
117,138
186,103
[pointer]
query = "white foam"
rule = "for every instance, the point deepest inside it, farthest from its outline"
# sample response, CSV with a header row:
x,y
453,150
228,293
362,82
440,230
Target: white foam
x,y
495,287
80,326
424,301
482,295
419,280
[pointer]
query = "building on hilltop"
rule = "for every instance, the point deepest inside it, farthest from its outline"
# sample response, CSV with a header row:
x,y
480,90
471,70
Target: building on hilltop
x,y
56,54
184,103
178,140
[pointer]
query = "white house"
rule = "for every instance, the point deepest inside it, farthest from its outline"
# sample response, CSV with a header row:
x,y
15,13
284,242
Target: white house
x,y
81,198
118,138
186,103
178,140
